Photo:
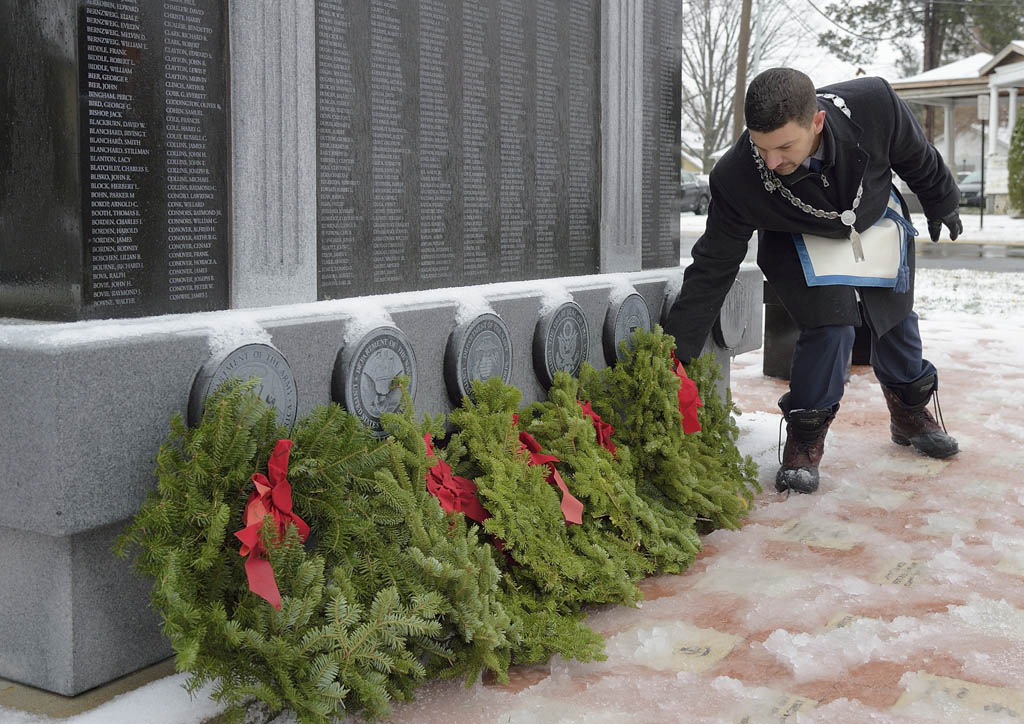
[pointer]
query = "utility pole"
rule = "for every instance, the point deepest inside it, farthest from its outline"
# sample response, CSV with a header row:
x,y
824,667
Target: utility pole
x,y
756,40
741,71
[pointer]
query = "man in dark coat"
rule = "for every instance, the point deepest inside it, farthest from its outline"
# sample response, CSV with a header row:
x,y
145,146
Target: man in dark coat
x,y
820,163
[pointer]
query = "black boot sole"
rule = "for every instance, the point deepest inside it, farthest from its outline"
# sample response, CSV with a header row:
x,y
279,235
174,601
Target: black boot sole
x,y
797,483
932,451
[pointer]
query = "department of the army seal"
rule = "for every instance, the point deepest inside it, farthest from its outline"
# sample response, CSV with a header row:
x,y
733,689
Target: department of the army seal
x,y
364,371
561,341
732,321
621,321
276,384
477,350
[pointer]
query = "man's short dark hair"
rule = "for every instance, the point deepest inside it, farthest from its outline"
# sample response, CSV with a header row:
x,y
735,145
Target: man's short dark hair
x,y
778,96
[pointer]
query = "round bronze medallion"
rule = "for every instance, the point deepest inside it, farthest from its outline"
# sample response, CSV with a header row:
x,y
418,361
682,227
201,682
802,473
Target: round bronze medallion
x,y
276,384
477,350
731,323
561,341
364,371
621,321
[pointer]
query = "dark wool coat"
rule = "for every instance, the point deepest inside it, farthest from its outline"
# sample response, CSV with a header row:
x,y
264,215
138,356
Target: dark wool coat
x,y
880,137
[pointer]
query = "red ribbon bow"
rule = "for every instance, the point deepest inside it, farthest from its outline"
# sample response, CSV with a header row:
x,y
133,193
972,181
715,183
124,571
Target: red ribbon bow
x,y
689,398
572,509
273,497
456,494
603,429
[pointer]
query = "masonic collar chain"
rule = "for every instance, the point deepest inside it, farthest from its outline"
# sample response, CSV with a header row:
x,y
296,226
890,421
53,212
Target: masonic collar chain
x,y
848,217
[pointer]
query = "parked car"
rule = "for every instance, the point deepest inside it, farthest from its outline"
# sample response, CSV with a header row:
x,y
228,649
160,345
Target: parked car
x,y
970,190
696,193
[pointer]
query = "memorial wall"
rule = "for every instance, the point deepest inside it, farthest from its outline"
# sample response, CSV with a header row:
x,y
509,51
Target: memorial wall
x,y
434,143
457,142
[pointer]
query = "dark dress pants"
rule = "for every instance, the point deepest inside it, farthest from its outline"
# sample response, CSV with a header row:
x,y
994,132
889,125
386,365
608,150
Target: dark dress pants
x,y
821,355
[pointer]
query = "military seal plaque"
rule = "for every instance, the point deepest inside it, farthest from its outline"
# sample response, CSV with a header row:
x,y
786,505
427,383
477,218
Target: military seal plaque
x,y
731,324
276,387
477,350
561,341
364,371
622,319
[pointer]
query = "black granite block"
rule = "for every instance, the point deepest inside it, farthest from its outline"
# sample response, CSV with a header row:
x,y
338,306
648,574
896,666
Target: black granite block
x,y
458,142
115,187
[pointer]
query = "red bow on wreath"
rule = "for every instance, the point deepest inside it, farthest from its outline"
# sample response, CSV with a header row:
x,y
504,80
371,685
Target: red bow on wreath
x,y
272,497
572,509
689,399
456,494
603,429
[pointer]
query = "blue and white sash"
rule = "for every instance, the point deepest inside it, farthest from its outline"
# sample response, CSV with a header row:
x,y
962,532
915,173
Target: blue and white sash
x,y
884,264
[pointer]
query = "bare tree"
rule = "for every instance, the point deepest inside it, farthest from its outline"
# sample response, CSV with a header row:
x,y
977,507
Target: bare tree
x,y
711,38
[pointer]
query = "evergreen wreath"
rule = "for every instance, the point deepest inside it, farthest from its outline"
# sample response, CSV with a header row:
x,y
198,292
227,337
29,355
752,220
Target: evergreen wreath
x,y
389,589
324,650
606,481
702,474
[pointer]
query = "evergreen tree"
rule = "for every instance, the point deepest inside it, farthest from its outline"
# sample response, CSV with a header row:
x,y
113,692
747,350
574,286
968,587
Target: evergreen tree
x,y
1015,167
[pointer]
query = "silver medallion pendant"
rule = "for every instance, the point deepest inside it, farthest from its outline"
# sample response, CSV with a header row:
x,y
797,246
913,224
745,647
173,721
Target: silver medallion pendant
x,y
858,248
848,217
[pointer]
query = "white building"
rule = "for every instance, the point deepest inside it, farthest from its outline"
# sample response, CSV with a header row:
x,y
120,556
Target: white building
x,y
987,82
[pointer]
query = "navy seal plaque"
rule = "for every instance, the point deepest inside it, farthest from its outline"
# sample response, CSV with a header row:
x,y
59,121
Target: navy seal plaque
x,y
621,321
731,324
364,371
477,350
561,341
276,384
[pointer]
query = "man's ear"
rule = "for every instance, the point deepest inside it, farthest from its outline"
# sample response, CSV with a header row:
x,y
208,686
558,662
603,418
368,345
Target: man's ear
x,y
818,122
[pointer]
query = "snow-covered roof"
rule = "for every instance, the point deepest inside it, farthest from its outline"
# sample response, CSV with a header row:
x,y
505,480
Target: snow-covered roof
x,y
1006,55
963,69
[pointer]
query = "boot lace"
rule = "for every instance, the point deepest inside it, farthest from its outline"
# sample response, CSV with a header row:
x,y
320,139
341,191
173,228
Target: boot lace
x,y
778,448
922,412
938,409
802,445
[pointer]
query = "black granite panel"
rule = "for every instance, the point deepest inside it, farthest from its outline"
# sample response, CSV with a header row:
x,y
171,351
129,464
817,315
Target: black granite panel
x,y
113,181
153,94
660,193
40,204
458,142
440,115
585,137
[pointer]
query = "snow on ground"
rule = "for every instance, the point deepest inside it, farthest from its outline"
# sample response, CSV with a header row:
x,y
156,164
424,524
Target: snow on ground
x,y
895,594
992,229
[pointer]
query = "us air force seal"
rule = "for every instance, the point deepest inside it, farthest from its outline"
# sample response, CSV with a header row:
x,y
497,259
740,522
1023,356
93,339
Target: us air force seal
x,y
477,350
276,384
621,321
561,341
364,371
732,321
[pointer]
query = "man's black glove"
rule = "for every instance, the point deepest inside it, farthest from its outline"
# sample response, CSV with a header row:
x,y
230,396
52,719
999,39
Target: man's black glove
x,y
952,222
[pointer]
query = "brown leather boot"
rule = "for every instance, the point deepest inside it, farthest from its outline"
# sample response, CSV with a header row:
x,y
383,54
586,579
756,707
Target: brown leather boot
x,y
805,444
912,424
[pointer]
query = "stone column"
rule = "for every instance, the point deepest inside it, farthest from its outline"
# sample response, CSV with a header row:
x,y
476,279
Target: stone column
x,y
949,132
1013,110
622,87
273,152
993,118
